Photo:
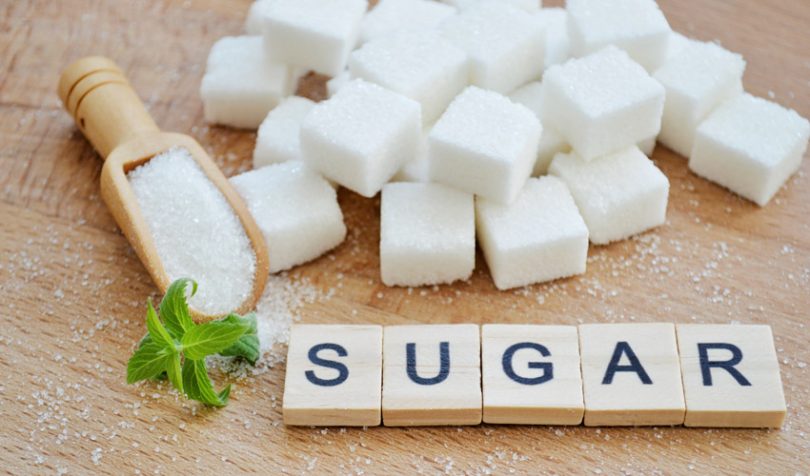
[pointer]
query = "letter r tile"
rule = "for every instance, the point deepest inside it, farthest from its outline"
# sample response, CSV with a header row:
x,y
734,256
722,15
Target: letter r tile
x,y
531,375
431,375
731,376
631,375
334,376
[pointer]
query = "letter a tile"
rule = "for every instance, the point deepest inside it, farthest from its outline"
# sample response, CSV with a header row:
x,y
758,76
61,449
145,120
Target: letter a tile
x,y
730,376
531,375
334,376
631,375
431,375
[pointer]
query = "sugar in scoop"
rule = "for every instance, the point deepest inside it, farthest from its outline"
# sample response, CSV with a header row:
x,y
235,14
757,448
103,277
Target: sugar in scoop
x,y
178,211
196,232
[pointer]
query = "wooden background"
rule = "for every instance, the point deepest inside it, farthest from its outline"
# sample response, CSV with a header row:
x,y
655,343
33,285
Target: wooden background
x,y
72,293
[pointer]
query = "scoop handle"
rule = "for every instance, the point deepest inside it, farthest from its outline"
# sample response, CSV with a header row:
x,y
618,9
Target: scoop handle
x,y
95,91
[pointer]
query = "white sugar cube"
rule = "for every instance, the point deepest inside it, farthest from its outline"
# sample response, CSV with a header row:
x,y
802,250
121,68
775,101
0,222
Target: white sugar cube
x,y
697,80
361,136
427,234
422,66
313,34
558,45
335,84
528,5
240,86
750,146
648,146
636,26
551,142
505,45
484,144
254,21
602,103
619,195
396,16
677,42
418,168
296,209
278,137
540,237
296,74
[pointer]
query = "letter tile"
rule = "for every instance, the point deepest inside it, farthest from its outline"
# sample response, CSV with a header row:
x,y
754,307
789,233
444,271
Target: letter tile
x,y
531,375
631,375
731,376
334,376
431,375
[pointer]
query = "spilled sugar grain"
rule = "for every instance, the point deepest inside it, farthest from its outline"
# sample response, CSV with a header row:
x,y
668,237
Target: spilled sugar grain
x,y
281,304
196,232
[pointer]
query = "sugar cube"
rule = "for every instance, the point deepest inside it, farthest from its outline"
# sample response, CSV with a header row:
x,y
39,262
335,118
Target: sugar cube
x,y
361,136
296,209
418,168
677,42
602,103
422,66
278,136
254,21
427,234
558,45
336,84
551,142
393,16
505,45
697,80
240,87
315,34
296,74
648,145
528,5
750,146
484,144
636,26
619,195
539,237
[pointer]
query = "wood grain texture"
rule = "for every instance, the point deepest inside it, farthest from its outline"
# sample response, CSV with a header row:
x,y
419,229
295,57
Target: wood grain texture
x,y
72,290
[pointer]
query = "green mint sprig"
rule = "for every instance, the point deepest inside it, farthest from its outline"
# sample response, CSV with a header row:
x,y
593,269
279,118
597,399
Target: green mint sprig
x,y
175,347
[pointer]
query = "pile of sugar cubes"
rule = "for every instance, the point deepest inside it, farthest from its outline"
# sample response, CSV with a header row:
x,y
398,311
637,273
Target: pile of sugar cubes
x,y
526,128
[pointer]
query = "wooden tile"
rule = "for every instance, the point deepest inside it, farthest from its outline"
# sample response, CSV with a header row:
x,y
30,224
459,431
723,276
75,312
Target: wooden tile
x,y
531,375
631,375
334,376
730,376
431,375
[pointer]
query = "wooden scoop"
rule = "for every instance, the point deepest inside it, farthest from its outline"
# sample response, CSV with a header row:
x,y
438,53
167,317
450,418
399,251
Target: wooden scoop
x,y
112,117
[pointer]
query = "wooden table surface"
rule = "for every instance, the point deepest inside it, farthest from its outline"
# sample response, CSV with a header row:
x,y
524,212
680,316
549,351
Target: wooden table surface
x,y
72,292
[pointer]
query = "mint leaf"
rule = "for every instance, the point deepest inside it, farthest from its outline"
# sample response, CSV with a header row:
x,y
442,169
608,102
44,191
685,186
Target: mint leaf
x,y
199,387
149,361
175,347
211,338
247,346
174,373
174,308
224,394
156,330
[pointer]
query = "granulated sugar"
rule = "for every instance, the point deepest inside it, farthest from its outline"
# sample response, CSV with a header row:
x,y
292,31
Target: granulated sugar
x,y
196,232
279,306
